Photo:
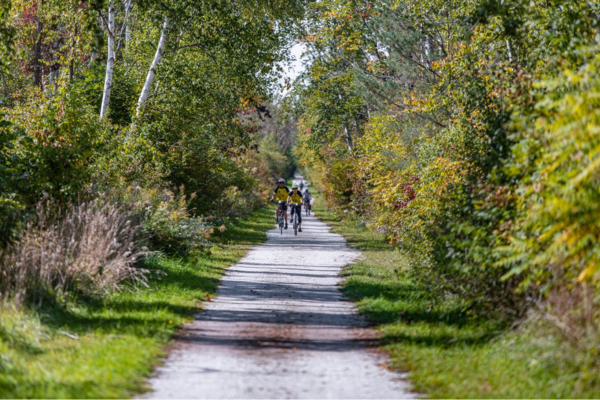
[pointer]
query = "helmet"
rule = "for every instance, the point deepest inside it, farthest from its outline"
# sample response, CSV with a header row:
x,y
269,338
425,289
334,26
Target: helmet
x,y
294,186
281,180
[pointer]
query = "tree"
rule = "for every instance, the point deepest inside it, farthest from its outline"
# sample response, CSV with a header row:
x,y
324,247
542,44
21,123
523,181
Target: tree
x,y
160,49
110,58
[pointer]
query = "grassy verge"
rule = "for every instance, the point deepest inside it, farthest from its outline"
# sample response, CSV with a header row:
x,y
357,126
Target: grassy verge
x,y
449,354
106,348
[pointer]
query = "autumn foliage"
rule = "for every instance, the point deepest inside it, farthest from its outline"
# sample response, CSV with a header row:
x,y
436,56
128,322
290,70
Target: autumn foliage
x,y
464,132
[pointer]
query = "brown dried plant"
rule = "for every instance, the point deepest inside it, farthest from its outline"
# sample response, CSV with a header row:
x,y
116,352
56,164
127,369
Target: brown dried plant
x,y
91,248
574,312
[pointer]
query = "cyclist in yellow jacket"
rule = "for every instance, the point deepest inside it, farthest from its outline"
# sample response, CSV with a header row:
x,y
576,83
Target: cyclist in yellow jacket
x,y
295,201
281,193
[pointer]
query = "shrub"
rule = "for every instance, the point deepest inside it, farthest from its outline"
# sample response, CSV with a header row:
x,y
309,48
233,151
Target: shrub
x,y
12,180
166,219
236,203
277,162
338,183
54,140
555,242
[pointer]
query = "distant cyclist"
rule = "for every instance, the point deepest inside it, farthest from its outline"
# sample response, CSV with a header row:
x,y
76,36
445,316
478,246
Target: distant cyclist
x,y
281,194
301,186
307,196
295,201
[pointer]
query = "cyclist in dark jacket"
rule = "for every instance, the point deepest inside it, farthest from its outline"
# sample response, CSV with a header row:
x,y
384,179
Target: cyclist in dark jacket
x,y
307,197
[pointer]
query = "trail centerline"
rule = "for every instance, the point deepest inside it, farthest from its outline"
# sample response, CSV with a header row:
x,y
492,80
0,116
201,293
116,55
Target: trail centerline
x,y
279,328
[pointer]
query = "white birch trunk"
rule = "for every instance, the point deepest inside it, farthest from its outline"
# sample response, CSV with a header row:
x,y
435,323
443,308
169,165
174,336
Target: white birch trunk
x,y
160,50
348,137
346,130
128,26
510,57
52,80
110,61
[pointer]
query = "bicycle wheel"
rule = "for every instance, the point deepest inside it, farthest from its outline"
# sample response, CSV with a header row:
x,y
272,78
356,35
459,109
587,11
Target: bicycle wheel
x,y
281,221
295,221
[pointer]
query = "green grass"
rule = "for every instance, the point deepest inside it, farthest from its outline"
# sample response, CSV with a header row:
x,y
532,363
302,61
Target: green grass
x,y
107,348
447,353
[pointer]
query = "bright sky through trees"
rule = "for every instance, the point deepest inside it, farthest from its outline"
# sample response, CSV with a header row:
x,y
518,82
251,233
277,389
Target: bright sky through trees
x,y
294,68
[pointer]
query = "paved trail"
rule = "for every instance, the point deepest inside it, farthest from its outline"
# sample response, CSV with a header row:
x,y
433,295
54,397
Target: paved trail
x,y
279,328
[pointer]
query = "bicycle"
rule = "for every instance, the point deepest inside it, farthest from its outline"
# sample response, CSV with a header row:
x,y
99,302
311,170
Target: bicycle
x,y
295,210
280,216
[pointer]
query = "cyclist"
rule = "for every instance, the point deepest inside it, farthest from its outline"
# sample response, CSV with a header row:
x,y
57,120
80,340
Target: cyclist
x,y
281,193
307,196
301,186
295,201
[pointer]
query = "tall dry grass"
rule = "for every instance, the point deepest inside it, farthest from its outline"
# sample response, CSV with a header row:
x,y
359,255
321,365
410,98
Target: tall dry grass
x,y
575,312
91,248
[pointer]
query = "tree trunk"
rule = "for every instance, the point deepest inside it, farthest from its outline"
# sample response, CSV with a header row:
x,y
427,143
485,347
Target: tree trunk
x,y
54,74
151,72
110,60
346,130
359,129
348,137
127,35
128,22
37,52
54,69
510,56
124,34
4,86
72,56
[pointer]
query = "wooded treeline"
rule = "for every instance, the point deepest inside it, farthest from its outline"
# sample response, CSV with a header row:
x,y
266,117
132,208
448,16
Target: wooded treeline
x,y
466,131
161,109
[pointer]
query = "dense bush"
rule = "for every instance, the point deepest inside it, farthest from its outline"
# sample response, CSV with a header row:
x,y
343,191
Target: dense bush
x,y
166,221
477,153
554,242
51,142
278,163
11,172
